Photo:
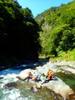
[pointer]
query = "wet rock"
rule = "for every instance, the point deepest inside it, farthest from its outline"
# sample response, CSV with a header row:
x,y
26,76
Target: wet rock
x,y
58,86
10,85
1,77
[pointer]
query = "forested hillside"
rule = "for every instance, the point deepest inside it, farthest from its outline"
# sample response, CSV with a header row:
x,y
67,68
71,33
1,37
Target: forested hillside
x,y
19,38
57,29
18,32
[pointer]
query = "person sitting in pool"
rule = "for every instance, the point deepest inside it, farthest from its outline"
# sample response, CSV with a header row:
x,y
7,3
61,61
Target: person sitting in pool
x,y
50,74
36,76
27,75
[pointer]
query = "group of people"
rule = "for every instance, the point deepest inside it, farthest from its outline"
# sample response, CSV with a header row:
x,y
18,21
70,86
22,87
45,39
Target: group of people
x,y
37,77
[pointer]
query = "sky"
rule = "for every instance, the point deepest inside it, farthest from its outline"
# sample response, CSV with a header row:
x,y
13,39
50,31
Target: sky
x,y
38,6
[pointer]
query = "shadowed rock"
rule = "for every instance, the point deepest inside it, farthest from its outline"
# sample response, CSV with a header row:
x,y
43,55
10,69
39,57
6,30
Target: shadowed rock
x,y
10,85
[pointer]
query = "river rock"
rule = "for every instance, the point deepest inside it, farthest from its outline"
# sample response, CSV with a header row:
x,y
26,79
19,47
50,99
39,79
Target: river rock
x,y
1,77
24,74
10,85
59,87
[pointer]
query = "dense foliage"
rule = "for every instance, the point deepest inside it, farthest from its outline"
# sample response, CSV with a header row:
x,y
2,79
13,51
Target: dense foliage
x,y
18,32
58,29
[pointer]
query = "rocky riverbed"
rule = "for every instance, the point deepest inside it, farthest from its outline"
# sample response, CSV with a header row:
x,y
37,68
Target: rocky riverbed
x,y
57,85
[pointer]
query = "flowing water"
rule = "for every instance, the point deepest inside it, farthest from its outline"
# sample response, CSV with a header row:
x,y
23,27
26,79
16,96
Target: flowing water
x,y
13,89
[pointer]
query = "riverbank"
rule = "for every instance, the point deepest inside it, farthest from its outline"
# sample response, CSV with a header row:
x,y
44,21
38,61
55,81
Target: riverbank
x,y
66,66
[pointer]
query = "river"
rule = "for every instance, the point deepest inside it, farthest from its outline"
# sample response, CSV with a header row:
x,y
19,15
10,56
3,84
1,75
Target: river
x,y
13,89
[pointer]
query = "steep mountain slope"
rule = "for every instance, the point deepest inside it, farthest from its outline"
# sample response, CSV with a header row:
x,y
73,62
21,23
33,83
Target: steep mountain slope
x,y
18,32
57,29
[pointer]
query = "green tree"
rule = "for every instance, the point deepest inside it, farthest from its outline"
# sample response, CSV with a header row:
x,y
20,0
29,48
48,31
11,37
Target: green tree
x,y
18,32
66,42
58,29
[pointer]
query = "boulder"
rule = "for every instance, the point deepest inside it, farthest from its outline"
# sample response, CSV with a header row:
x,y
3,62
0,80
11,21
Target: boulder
x,y
10,85
24,74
